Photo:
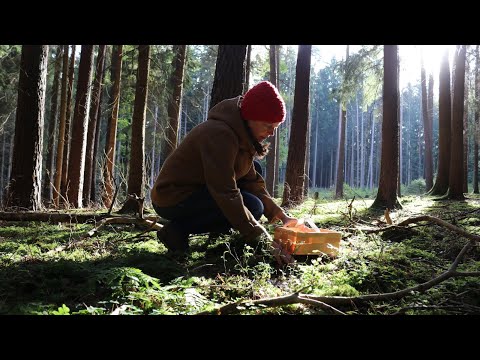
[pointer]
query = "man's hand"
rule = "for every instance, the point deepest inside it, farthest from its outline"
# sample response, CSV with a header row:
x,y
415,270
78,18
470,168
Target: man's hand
x,y
276,249
288,221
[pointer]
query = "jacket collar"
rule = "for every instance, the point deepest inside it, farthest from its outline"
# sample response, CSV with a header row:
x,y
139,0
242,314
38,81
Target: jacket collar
x,y
228,111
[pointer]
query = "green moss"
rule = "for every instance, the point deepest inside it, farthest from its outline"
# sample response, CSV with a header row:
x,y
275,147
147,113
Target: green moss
x,y
47,269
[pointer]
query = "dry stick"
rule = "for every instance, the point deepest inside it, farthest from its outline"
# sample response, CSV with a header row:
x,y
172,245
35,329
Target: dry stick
x,y
340,300
465,214
439,222
431,219
120,220
350,207
374,231
52,217
127,220
343,300
114,197
154,226
150,224
271,302
321,304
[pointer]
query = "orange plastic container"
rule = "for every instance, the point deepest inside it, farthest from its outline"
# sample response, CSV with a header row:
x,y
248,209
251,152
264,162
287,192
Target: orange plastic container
x,y
302,240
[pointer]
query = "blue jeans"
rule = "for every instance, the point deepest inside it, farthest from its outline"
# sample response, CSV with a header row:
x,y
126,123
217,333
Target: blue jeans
x,y
199,213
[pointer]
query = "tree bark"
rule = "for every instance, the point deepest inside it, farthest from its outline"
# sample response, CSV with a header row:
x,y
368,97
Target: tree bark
x,y
115,77
465,129
24,189
387,188
76,163
476,136
428,163
340,177
270,178
93,119
174,103
61,130
444,129
136,174
229,73
68,128
49,165
294,179
455,190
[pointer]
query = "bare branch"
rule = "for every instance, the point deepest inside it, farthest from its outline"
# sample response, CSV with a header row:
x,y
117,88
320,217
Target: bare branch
x,y
325,302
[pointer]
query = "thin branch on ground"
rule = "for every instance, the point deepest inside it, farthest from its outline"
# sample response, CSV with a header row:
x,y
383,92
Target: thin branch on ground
x,y
149,224
271,302
354,300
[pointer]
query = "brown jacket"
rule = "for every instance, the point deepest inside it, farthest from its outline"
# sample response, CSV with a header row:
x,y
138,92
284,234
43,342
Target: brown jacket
x,y
219,154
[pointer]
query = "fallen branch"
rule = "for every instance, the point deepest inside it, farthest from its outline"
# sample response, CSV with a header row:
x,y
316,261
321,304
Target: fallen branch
x,y
52,217
149,224
440,222
432,219
327,302
148,221
270,302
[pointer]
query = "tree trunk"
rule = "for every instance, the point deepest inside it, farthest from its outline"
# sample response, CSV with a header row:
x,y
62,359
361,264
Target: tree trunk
x,y
93,119
277,133
444,129
428,163
357,133
68,128
61,129
387,188
270,178
294,179
229,73
176,85
370,158
2,167
49,168
315,156
247,69
306,179
429,148
94,187
477,122
362,152
400,157
340,177
76,163
115,77
154,136
26,175
136,174
465,130
455,190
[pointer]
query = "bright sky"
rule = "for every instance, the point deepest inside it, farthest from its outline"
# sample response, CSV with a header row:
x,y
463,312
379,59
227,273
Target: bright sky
x,y
410,64
409,59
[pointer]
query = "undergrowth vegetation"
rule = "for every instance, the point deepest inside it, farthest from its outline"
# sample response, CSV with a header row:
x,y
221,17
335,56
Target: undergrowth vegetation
x,y
57,269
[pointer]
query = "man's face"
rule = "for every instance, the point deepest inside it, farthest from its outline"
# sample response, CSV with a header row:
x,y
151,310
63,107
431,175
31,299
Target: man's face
x,y
261,130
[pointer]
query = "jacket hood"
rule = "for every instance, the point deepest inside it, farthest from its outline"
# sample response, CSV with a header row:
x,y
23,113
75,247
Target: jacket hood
x,y
228,112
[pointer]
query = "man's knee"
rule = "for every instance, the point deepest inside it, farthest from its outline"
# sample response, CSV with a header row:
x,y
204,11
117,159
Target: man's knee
x,y
257,211
254,204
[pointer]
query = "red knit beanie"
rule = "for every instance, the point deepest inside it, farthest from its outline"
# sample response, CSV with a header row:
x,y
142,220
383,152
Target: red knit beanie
x,y
263,102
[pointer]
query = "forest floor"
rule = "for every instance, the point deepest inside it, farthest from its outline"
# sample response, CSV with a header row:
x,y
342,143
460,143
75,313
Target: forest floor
x,y
122,269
